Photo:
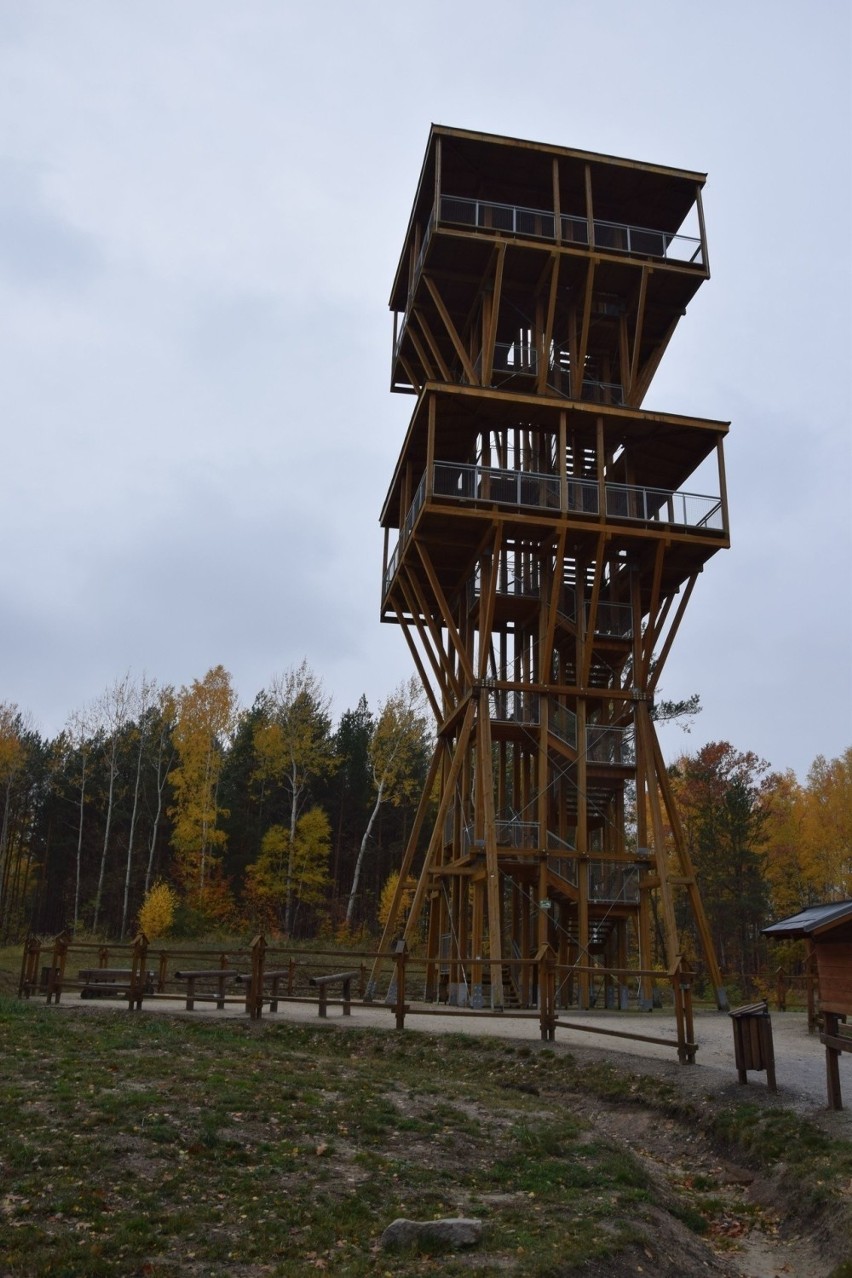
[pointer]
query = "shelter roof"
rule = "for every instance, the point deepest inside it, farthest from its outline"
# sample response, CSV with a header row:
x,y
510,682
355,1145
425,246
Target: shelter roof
x,y
813,921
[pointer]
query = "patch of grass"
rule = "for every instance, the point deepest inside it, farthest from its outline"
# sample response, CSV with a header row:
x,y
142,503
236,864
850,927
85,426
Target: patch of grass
x,y
173,1147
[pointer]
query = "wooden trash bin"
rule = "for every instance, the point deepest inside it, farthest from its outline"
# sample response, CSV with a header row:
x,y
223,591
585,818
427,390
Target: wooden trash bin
x,y
753,1046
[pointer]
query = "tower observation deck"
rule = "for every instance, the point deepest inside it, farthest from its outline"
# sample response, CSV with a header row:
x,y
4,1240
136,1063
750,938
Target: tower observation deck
x,y
543,535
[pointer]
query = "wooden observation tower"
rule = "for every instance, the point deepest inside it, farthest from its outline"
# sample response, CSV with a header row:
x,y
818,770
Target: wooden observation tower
x,y
543,535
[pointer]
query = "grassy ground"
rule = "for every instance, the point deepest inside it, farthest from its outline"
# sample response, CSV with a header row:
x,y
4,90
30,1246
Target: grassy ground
x,y
152,1145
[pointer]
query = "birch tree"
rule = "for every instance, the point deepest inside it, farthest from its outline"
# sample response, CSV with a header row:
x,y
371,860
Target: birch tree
x,y
162,760
78,742
397,748
295,747
142,700
113,709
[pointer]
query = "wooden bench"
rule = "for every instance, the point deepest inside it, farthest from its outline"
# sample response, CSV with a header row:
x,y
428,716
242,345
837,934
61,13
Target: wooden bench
x,y
213,981
322,983
114,982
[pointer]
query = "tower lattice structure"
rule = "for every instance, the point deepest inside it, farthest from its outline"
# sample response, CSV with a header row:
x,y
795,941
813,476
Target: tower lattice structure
x,y
543,537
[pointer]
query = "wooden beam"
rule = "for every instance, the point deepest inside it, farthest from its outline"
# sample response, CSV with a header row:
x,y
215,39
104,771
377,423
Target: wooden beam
x,y
578,366
640,323
451,332
547,335
494,318
673,629
495,940
432,344
486,614
424,678
432,645
446,614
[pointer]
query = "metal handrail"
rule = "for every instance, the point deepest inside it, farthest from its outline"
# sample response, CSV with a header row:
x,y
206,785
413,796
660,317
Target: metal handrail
x,y
495,486
517,220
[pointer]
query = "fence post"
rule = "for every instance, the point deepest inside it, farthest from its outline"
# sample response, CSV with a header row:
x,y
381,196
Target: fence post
x,y
162,971
781,986
138,973
400,960
546,959
682,990
254,998
29,967
57,967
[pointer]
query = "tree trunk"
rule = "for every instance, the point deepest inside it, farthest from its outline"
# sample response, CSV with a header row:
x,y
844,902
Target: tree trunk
x,y
350,908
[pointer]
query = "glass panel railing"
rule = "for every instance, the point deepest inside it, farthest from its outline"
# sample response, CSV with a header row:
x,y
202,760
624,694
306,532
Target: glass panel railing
x,y
583,496
644,242
659,505
562,723
613,619
501,487
486,215
613,881
513,705
510,832
405,532
543,492
514,219
519,581
515,358
605,744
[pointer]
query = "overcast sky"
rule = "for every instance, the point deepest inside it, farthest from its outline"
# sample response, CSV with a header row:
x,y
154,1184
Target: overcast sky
x,y
202,204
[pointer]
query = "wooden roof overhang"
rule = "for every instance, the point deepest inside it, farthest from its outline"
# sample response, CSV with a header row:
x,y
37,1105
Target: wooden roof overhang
x,y
663,449
456,535
469,164
459,263
819,922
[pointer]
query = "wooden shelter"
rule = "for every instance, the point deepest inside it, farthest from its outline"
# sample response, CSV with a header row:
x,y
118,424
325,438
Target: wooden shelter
x,y
543,536
828,931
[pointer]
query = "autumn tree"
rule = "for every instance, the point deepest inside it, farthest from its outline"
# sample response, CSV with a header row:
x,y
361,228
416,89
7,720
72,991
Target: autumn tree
x,y
75,748
157,912
113,710
786,878
827,828
18,750
718,791
205,717
348,795
396,753
290,870
294,748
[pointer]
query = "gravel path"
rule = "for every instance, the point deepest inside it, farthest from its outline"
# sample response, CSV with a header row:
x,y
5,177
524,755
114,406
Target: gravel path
x,y
799,1056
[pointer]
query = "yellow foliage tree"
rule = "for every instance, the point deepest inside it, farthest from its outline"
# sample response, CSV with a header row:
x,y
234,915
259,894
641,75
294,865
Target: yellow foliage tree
x,y
827,828
294,747
388,893
157,913
289,873
206,714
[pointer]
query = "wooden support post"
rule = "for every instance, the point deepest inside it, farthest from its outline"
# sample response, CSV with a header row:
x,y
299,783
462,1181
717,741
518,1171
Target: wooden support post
x,y
138,973
400,1008
254,997
56,975
546,960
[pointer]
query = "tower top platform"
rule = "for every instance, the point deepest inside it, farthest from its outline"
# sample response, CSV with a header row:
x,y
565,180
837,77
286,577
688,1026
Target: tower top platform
x,y
560,180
